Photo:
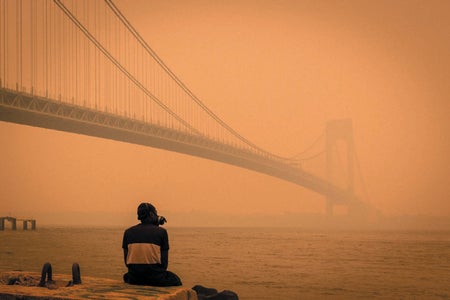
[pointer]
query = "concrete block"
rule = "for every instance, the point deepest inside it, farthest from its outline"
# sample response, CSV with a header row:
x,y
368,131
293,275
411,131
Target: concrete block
x,y
23,285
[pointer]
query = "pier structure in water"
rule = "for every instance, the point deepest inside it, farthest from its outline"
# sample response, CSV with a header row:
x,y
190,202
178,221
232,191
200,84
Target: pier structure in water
x,y
13,221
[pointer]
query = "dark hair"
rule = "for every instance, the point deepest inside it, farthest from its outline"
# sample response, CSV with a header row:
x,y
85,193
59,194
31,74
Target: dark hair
x,y
146,210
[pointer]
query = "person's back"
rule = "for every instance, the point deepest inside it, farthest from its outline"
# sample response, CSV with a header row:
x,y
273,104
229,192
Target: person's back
x,y
146,248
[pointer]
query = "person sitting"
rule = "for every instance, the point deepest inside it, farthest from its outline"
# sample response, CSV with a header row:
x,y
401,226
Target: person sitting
x,y
146,250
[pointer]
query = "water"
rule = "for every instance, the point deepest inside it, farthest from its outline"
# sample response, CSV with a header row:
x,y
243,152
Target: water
x,y
258,263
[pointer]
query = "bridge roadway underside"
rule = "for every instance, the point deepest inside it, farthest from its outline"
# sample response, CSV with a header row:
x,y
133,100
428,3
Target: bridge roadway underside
x,y
30,110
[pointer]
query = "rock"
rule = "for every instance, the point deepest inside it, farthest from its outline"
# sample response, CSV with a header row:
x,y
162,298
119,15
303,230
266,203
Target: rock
x,y
204,293
201,290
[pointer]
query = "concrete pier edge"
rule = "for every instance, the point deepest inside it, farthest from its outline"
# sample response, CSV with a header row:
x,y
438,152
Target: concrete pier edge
x,y
91,288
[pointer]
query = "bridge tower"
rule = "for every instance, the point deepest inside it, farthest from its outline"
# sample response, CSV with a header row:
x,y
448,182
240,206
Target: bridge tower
x,y
336,131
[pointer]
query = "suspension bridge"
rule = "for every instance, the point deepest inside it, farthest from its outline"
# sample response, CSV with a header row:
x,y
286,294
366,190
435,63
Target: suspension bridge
x,y
80,66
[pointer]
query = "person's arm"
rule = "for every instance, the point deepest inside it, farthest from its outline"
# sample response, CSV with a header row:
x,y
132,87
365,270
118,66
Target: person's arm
x,y
125,247
165,258
125,253
165,250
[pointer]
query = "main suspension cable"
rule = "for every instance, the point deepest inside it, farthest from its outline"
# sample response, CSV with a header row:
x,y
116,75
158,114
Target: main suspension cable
x,y
182,85
296,156
118,65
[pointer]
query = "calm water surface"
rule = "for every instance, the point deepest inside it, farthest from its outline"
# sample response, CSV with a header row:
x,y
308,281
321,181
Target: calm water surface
x,y
258,263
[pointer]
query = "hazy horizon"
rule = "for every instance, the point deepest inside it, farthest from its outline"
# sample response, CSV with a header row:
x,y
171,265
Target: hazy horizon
x,y
306,221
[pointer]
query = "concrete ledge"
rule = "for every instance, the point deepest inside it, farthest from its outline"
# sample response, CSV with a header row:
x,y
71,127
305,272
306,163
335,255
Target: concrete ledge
x,y
26,288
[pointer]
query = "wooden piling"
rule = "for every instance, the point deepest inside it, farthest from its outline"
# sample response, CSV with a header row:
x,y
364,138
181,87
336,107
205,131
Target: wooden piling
x,y
14,220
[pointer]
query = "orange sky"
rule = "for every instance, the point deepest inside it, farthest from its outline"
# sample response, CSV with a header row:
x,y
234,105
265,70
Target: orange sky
x,y
276,71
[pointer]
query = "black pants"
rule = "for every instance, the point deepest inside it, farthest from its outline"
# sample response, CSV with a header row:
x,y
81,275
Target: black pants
x,y
164,278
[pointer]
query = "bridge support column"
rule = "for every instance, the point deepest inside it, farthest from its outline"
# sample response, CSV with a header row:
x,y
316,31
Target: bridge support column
x,y
339,130
33,224
26,223
13,223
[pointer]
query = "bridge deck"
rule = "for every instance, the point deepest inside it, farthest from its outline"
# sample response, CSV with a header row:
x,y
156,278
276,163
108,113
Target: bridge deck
x,y
23,108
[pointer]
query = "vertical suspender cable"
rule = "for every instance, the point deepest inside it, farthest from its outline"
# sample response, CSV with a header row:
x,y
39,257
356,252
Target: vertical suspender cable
x,y
52,56
107,74
128,57
178,81
118,65
4,62
95,57
36,48
58,40
32,46
45,47
87,64
60,49
115,81
17,46
20,47
68,62
64,71
76,58
2,42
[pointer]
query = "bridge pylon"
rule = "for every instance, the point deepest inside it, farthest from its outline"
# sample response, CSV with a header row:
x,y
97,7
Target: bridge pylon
x,y
339,130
